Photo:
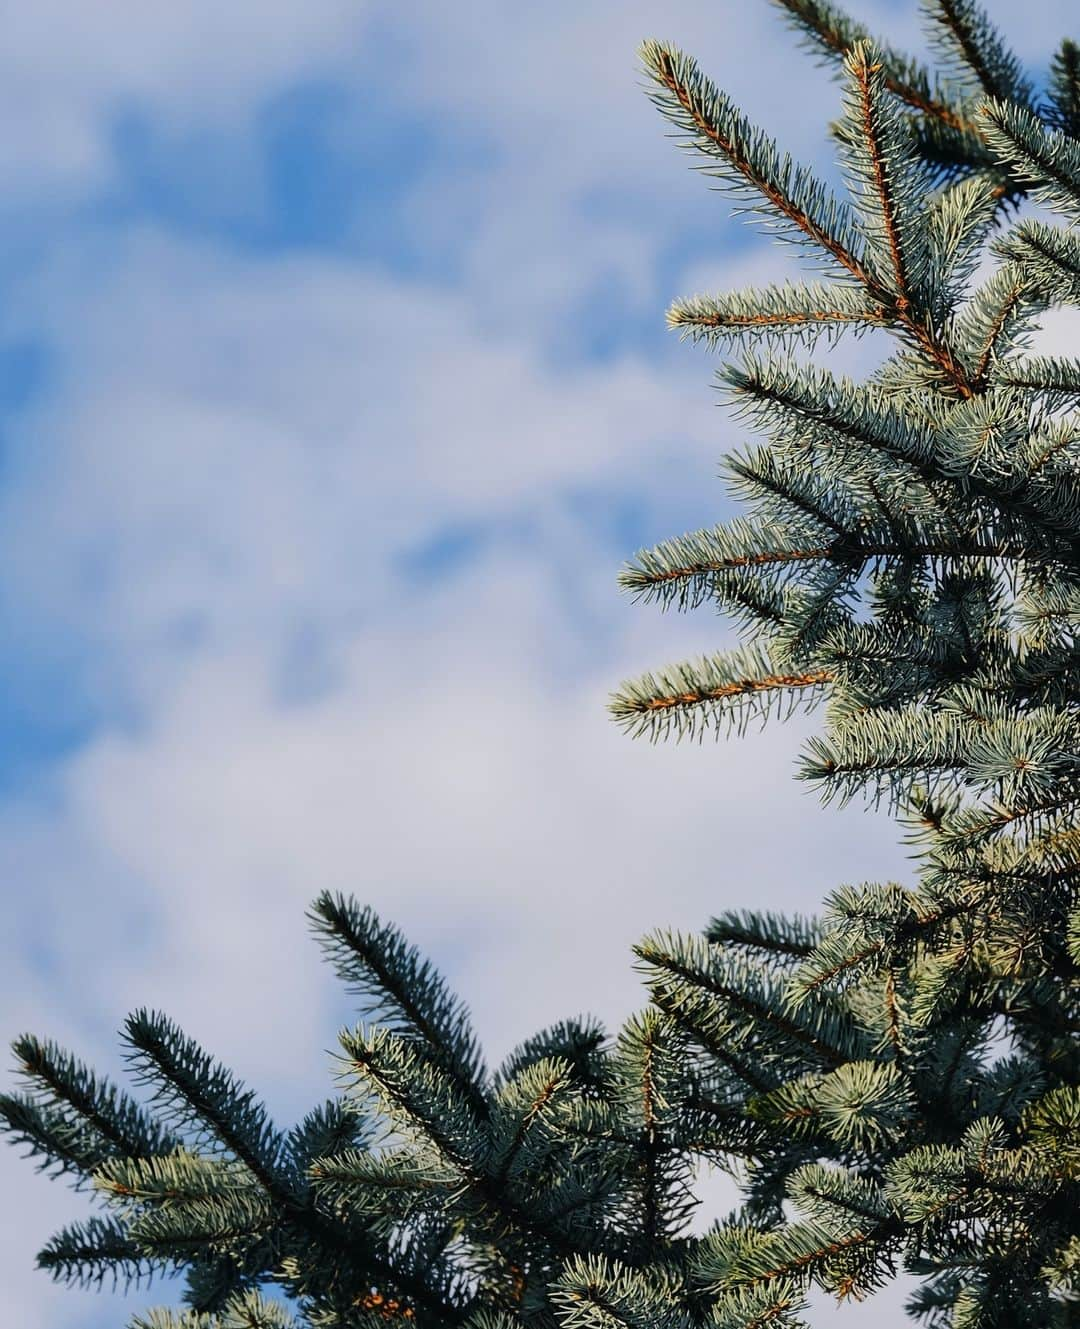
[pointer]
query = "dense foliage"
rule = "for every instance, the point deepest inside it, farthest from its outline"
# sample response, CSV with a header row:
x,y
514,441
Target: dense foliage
x,y
897,1083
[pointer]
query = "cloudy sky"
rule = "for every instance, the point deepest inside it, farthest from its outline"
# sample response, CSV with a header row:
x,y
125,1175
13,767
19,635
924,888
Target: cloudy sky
x,y
334,390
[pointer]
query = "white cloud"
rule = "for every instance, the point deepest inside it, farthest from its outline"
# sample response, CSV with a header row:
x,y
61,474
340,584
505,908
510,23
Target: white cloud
x,y
553,87
252,444
67,69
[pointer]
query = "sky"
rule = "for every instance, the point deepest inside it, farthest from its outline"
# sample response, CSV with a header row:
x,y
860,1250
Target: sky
x,y
334,391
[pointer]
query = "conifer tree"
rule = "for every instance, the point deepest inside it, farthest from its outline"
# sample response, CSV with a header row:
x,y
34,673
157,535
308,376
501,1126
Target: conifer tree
x,y
897,1083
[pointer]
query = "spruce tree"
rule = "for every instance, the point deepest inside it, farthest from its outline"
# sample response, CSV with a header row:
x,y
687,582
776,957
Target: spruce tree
x,y
896,1083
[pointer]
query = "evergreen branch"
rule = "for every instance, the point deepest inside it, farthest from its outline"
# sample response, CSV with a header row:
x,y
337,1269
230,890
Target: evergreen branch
x,y
87,1253
684,570
652,1083
212,1280
178,1179
688,570
1065,88
835,34
880,154
170,1234
492,1319
996,320
420,1098
400,989
209,1096
984,824
882,667
732,687
179,1206
896,747
809,1246
245,1310
651,1146
1050,377
598,1293
122,1125
744,1065
1047,158
569,1199
775,935
777,311
59,1140
685,960
882,166
578,1043
1049,257
721,564
748,159
743,1265
715,564
958,223
808,404
203,1093
527,1106
773,486
861,1105
160,1317
397,1170
952,157
874,928
333,1128
967,35
982,440
699,1019
423,1105
369,1184
806,409
821,1191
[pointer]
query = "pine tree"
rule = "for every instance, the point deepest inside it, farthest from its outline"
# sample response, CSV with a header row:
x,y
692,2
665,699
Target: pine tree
x,y
897,1083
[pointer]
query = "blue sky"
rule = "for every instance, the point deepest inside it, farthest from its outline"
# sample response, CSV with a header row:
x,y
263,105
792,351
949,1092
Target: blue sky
x,y
334,389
